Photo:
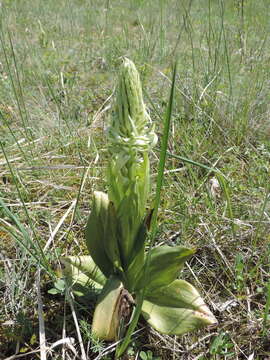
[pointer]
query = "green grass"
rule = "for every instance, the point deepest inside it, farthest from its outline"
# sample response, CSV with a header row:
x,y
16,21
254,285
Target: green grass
x,y
58,68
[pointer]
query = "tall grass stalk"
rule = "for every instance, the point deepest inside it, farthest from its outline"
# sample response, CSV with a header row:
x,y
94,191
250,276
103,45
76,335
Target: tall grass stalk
x,y
25,241
266,317
222,12
17,93
34,243
261,216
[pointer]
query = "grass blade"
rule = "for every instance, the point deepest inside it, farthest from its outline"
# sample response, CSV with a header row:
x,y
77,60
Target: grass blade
x,y
267,309
27,244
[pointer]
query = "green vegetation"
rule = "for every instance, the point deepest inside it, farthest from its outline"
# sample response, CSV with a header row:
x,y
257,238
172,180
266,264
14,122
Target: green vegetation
x,y
116,235
58,70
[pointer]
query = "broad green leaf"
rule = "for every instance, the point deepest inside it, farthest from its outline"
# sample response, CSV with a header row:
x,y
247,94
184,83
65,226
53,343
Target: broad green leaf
x,y
164,266
130,220
54,291
174,320
139,243
59,287
82,270
136,261
106,316
95,232
112,237
180,294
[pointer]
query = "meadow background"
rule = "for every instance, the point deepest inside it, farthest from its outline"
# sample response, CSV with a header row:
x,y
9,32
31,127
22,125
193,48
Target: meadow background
x,y
58,71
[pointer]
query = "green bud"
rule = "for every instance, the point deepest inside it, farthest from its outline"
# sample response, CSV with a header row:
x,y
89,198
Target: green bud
x,y
131,129
131,136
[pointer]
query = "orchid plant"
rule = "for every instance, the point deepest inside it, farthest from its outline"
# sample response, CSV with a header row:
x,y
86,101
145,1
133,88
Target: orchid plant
x,y
116,235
